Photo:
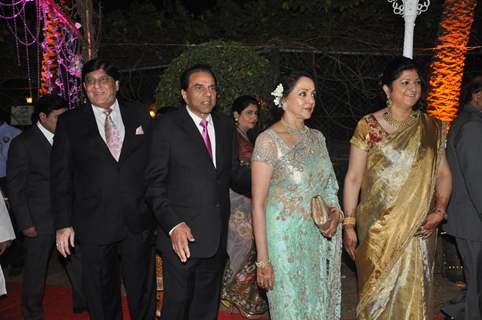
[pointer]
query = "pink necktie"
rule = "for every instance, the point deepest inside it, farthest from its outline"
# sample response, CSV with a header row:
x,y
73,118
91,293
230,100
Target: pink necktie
x,y
112,136
204,123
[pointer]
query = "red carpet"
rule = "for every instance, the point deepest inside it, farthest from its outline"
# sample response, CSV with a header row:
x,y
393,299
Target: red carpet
x,y
58,305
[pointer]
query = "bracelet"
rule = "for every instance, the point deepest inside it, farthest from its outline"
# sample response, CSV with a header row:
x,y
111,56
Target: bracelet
x,y
349,221
342,216
263,263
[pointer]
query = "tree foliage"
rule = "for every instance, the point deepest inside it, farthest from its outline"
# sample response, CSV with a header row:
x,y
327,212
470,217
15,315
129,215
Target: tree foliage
x,y
239,70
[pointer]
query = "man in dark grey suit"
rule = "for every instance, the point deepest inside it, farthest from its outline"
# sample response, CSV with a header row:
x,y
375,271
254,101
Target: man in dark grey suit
x,y
28,182
464,154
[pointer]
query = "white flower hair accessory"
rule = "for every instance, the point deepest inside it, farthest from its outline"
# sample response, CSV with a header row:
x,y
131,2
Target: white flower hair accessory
x,y
278,93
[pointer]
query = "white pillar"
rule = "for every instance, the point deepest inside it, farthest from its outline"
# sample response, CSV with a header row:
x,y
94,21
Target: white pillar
x,y
409,9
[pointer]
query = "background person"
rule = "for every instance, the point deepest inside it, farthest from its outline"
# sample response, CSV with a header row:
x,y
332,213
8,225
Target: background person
x,y
240,288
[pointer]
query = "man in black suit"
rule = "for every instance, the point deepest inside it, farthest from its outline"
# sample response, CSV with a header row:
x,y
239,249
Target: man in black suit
x,y
98,164
28,181
465,208
192,163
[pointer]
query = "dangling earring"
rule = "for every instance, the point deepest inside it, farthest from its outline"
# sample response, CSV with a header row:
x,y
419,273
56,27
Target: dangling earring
x,y
389,101
236,121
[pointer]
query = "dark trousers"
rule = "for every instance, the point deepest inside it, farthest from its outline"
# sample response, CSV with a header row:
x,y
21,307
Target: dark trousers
x,y
37,252
468,305
192,289
101,273
471,252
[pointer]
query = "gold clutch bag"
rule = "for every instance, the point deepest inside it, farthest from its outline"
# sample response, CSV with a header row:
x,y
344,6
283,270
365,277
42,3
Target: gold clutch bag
x,y
320,212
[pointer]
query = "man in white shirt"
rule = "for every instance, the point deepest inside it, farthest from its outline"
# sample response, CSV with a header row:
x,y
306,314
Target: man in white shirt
x,y
28,184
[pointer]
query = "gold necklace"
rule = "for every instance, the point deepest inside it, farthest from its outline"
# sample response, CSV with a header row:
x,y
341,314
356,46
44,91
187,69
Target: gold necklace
x,y
397,124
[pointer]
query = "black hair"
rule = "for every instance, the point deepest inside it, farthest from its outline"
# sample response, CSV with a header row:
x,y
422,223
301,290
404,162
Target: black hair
x,y
242,102
289,81
470,89
184,79
394,69
97,64
48,103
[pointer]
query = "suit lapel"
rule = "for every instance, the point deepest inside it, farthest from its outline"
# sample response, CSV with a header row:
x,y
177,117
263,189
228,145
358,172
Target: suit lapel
x,y
92,132
218,130
43,142
191,129
129,121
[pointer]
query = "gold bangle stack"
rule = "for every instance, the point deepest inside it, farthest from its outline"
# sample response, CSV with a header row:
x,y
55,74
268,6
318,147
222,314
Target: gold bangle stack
x,y
349,221
263,263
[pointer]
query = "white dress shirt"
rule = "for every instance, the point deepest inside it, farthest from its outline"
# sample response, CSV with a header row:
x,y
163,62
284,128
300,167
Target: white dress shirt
x,y
212,133
115,116
48,135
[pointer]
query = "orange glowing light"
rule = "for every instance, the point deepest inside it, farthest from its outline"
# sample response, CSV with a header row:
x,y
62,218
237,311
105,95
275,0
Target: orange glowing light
x,y
447,66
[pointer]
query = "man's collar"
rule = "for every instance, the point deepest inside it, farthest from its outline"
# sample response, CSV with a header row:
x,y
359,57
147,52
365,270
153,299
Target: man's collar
x,y
197,119
99,110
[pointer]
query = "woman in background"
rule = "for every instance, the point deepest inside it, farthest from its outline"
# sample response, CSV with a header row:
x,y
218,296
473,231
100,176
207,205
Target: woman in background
x,y
240,289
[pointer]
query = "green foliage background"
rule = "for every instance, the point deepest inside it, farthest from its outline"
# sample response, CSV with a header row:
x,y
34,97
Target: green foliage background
x,y
239,70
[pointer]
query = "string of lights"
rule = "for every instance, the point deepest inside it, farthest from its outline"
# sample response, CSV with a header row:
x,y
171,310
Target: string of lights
x,y
58,45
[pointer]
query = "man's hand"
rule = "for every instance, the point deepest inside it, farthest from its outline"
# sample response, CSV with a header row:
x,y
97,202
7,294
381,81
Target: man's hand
x,y
65,240
180,238
4,245
30,232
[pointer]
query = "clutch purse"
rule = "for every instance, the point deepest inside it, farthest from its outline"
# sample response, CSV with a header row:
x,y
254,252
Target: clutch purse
x,y
320,212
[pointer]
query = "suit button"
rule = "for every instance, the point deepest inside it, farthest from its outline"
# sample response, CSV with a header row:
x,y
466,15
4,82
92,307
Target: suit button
x,y
218,205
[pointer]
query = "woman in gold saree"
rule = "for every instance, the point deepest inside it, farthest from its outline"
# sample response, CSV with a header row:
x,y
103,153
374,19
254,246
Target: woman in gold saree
x,y
398,167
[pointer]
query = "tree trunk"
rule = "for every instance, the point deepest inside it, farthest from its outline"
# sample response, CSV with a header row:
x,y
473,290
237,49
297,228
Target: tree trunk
x,y
447,66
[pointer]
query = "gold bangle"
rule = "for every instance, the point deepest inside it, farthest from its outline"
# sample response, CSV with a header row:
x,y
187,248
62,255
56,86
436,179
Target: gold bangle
x,y
342,216
349,221
263,263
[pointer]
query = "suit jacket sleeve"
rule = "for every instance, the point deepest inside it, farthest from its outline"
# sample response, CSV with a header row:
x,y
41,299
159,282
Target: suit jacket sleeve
x,y
240,175
157,173
468,154
61,177
17,175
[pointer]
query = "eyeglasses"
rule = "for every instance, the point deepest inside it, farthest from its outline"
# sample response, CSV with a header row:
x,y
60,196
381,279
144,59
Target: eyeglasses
x,y
102,81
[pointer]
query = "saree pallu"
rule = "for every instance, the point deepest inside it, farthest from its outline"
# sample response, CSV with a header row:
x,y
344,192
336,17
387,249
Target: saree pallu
x,y
394,266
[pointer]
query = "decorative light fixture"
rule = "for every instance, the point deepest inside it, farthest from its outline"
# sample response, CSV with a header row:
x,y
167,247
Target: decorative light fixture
x,y
29,100
409,9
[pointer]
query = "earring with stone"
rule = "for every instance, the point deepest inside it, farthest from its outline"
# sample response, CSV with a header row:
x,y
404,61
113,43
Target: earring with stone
x,y
389,101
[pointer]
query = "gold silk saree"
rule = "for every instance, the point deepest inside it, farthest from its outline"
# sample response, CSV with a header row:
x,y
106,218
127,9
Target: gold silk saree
x,y
394,266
